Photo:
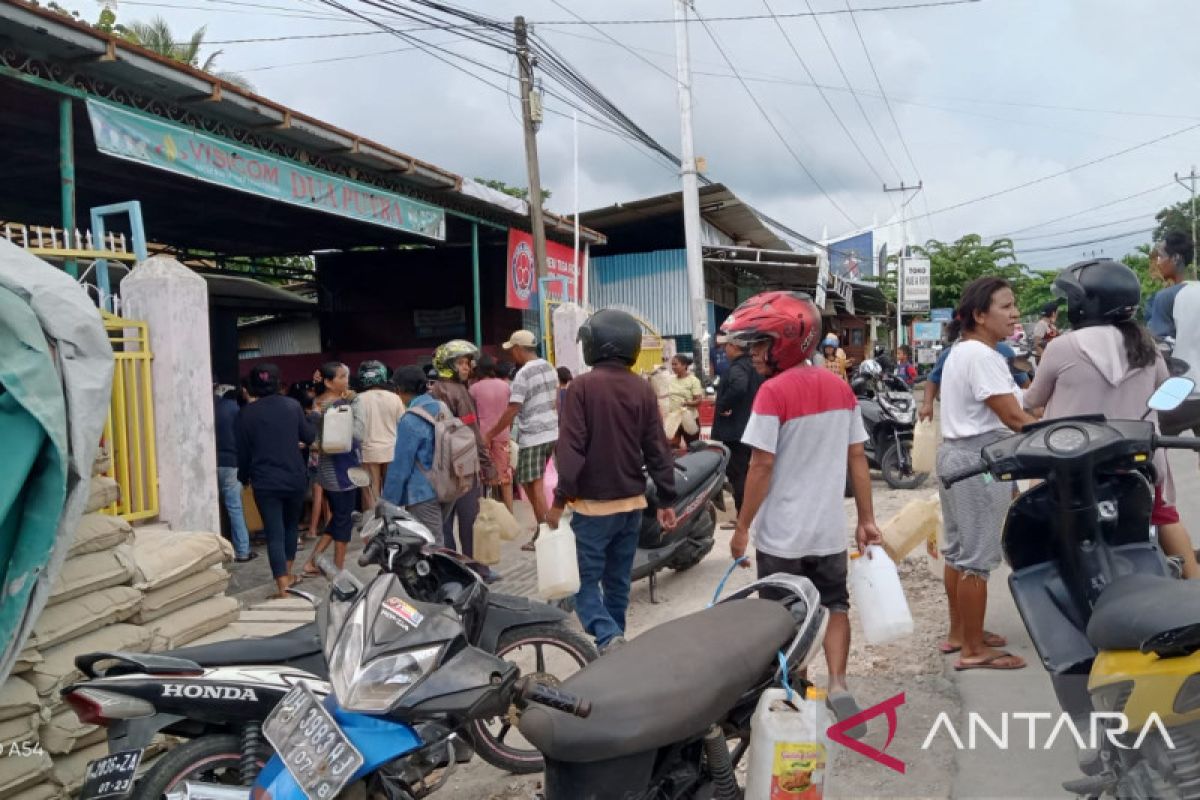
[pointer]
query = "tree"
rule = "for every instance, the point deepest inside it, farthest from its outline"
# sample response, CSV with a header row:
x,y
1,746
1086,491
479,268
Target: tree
x,y
1036,291
156,36
953,266
521,192
1175,218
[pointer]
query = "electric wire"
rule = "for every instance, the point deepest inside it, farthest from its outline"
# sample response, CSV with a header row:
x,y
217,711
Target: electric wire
x,y
1081,212
1114,237
752,17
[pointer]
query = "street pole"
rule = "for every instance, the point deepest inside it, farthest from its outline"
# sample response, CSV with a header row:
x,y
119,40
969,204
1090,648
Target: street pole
x,y
1191,179
531,118
691,194
902,188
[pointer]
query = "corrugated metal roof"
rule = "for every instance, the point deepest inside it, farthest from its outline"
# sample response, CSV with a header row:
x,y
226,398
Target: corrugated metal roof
x,y
655,284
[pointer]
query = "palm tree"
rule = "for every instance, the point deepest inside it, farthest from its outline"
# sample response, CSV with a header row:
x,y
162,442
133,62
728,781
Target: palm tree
x,y
157,37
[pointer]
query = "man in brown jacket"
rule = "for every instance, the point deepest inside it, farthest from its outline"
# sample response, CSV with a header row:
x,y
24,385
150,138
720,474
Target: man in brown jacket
x,y
609,427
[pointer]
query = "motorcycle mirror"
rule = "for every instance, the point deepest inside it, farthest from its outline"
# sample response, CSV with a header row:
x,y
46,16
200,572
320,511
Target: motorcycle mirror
x,y
1171,394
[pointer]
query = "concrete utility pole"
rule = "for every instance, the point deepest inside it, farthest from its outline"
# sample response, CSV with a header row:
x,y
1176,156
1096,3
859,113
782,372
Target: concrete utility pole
x,y
1191,179
691,193
902,188
531,117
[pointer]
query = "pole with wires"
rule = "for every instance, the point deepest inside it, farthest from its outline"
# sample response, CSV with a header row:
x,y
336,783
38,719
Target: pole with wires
x,y
1191,179
577,297
902,188
531,117
691,194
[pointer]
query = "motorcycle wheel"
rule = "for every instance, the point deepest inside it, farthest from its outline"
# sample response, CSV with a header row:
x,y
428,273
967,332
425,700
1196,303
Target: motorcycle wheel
x,y
889,465
211,759
497,739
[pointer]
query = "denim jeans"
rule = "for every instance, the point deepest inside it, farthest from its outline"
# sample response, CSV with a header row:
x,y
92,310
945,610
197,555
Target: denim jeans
x,y
281,522
465,509
605,547
231,493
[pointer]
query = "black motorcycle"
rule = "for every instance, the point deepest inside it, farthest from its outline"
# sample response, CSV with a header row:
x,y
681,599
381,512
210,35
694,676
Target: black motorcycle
x,y
889,414
217,695
1117,633
699,487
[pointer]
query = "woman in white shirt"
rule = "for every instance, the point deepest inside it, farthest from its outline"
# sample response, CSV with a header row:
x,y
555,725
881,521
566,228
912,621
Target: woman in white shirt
x,y
980,405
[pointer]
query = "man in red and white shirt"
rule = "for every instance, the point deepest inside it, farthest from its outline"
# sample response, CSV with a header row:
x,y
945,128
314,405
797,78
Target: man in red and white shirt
x,y
806,432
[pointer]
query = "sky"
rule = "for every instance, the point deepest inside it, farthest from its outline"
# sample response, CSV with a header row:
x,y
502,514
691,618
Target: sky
x,y
977,98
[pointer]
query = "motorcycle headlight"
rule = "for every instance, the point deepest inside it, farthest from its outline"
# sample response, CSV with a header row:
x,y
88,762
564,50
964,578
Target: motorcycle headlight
x,y
377,686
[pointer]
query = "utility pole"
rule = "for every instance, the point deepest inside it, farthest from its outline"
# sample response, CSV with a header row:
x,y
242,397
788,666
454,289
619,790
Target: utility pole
x,y
902,188
531,117
691,193
1191,179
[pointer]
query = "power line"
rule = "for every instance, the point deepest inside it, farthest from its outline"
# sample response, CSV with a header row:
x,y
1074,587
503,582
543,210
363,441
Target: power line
x,y
1114,237
771,122
1080,213
751,17
1109,224
632,51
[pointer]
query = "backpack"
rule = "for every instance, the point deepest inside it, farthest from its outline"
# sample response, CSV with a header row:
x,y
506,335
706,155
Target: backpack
x,y
455,454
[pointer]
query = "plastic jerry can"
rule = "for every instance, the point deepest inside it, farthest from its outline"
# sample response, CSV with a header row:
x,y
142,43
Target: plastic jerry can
x,y
924,449
557,569
337,430
789,748
487,542
882,607
933,553
909,527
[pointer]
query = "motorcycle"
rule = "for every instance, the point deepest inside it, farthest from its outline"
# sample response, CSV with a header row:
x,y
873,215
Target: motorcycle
x,y
889,414
217,695
406,683
1117,634
700,487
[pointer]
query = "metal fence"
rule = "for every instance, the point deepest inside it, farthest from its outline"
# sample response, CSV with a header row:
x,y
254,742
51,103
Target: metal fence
x,y
129,431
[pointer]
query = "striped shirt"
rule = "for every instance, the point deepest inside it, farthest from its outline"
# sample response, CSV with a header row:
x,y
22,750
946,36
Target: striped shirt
x,y
535,389
808,418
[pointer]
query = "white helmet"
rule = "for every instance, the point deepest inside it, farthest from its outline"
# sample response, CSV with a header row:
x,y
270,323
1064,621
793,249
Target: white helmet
x,y
870,368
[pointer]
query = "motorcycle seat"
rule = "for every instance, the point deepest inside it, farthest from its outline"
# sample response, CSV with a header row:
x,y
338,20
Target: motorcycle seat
x,y
279,649
1135,607
692,471
666,685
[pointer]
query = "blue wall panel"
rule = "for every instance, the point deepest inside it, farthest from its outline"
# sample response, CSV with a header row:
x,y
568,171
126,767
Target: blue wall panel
x,y
655,284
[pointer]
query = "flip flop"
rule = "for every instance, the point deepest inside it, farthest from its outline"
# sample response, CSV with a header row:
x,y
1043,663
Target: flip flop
x,y
843,705
990,662
529,547
989,640
729,526
307,573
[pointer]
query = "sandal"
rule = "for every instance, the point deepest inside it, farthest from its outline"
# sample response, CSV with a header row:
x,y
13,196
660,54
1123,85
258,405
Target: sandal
x,y
529,547
308,572
989,640
992,662
843,705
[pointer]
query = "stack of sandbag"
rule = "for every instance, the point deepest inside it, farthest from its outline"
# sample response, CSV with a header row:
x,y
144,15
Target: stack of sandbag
x,y
24,765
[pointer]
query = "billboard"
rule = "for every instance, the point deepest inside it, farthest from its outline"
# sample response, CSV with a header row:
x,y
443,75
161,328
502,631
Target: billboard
x,y
853,258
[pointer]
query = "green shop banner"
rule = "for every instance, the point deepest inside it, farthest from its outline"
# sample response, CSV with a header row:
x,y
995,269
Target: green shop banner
x,y
133,136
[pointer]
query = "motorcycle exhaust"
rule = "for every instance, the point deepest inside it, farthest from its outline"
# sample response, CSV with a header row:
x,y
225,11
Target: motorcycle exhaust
x,y
193,790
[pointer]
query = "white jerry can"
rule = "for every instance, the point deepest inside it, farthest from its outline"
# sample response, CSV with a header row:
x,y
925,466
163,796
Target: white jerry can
x,y
789,749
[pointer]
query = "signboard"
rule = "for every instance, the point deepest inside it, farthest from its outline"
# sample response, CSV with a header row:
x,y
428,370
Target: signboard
x,y
915,277
927,331
132,136
941,314
440,323
853,258
522,270
822,280
926,355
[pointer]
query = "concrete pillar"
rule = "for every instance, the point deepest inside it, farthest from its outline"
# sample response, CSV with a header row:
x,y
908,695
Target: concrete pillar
x,y
174,301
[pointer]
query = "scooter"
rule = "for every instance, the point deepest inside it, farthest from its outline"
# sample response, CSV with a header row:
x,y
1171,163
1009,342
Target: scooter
x,y
218,695
889,414
1117,634
405,683
700,487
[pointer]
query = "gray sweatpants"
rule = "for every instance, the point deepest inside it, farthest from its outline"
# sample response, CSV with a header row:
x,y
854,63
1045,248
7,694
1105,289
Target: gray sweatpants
x,y
429,513
973,510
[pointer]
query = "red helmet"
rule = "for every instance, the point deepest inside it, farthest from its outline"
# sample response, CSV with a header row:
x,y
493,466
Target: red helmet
x,y
789,320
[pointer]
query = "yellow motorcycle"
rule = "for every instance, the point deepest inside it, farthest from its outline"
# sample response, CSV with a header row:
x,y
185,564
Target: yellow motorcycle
x,y
1119,635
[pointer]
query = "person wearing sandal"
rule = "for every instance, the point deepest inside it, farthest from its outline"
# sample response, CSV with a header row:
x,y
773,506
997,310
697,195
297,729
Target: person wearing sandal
x,y
333,469
735,398
270,432
807,435
981,404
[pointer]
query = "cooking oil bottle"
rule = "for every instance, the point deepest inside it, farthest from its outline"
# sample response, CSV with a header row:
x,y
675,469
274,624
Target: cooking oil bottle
x,y
789,749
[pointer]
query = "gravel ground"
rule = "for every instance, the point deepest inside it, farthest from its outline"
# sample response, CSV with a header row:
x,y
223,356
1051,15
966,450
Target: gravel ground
x,y
912,665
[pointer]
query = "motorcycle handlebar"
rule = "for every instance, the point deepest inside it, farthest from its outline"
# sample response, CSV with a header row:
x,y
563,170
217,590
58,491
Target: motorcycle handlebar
x,y
533,692
963,474
1177,442
371,552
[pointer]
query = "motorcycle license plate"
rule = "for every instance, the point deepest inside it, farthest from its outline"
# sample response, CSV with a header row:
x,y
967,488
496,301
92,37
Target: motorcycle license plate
x,y
110,777
312,746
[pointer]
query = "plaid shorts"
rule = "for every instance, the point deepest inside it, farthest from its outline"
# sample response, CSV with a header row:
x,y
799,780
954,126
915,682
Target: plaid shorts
x,y
531,461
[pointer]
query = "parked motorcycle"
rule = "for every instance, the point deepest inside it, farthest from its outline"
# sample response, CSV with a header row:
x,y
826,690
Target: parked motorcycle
x,y
700,487
1115,632
406,683
889,414
218,695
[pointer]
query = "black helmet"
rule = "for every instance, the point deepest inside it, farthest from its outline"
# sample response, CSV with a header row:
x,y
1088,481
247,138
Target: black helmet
x,y
372,373
1098,292
611,334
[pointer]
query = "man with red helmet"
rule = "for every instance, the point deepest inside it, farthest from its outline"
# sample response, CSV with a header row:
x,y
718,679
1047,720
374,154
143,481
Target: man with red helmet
x,y
806,432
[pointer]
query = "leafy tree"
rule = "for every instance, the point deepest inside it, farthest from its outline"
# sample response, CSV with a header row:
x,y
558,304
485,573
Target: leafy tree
x,y
1175,218
156,36
521,192
1036,291
952,266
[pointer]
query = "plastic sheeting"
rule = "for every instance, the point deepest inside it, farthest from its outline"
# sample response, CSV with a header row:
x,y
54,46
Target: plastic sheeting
x,y
60,378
